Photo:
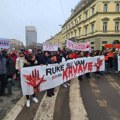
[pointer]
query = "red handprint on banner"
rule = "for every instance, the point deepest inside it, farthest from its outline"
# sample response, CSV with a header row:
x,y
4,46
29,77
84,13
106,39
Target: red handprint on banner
x,y
34,80
99,64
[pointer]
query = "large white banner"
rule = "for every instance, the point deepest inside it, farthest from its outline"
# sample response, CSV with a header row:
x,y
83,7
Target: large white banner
x,y
39,78
50,47
4,43
118,63
78,46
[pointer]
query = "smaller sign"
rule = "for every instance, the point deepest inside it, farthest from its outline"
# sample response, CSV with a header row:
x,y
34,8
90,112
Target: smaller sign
x,y
50,47
78,46
117,46
4,44
108,46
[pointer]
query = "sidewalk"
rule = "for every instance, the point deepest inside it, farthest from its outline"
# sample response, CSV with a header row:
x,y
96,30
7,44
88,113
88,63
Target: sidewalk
x,y
8,102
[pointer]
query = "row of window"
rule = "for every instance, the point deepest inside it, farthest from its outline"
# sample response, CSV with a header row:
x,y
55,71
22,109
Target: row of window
x,y
103,42
117,8
77,20
105,26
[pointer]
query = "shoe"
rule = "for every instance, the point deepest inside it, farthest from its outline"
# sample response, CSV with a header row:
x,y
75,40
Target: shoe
x,y
65,85
49,95
35,99
28,103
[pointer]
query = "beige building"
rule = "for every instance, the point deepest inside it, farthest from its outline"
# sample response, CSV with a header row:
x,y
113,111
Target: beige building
x,y
16,44
57,39
96,21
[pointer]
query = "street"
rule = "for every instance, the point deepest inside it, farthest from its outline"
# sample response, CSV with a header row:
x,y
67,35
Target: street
x,y
101,97
100,101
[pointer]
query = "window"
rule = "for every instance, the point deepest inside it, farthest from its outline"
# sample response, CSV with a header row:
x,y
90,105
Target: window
x,y
68,35
117,7
76,21
72,24
86,30
104,42
93,11
116,26
92,28
68,26
79,18
71,34
79,31
75,32
86,14
92,48
105,7
92,43
104,26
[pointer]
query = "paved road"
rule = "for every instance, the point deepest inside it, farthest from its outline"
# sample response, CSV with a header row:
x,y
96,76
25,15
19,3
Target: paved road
x,y
93,99
7,102
101,97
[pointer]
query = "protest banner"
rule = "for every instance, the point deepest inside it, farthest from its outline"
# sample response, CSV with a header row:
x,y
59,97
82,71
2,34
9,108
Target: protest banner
x,y
50,47
112,46
118,63
78,46
116,46
40,78
108,45
4,43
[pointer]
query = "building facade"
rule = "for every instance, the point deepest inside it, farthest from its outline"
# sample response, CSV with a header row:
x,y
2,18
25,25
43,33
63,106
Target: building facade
x,y
31,36
16,44
57,39
94,21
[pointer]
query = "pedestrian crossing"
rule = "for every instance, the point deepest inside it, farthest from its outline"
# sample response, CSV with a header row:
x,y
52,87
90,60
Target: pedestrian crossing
x,y
46,109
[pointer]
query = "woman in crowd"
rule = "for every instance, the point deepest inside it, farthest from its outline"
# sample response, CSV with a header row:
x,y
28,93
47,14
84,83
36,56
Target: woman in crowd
x,y
20,63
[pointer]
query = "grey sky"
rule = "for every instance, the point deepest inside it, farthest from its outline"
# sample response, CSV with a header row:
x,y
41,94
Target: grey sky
x,y
46,15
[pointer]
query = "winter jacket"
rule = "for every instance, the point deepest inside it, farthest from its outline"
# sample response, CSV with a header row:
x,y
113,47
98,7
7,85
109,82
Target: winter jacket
x,y
3,68
20,63
40,58
10,66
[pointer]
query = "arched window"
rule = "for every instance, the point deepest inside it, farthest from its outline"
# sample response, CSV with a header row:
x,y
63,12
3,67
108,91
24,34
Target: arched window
x,y
105,7
117,7
116,42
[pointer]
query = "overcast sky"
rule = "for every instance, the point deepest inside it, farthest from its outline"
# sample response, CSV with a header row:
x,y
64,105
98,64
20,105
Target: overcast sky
x,y
45,15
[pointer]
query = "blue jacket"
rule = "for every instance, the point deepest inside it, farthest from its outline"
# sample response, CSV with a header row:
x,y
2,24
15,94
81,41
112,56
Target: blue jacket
x,y
3,68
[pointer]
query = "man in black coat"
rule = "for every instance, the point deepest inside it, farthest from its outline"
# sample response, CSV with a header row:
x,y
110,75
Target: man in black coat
x,y
3,71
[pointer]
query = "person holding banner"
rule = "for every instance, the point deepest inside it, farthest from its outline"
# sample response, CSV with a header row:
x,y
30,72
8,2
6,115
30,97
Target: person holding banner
x,y
116,54
31,61
50,60
81,55
19,64
88,75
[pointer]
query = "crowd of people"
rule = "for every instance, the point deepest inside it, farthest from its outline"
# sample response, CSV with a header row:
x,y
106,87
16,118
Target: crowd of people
x,y
11,62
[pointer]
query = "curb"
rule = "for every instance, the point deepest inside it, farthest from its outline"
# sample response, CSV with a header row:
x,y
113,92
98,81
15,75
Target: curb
x,y
14,112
